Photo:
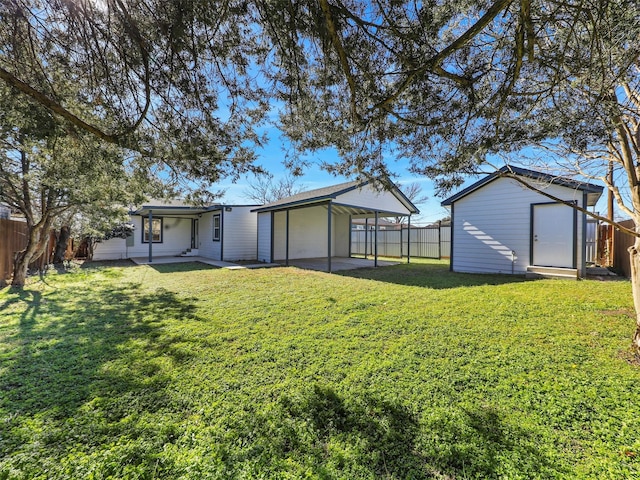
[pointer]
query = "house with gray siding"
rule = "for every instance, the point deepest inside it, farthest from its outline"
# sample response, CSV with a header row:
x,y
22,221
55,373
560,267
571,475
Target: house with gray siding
x,y
313,224
218,232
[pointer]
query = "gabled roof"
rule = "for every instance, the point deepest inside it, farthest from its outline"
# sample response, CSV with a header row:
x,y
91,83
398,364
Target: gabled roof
x,y
312,196
327,194
589,188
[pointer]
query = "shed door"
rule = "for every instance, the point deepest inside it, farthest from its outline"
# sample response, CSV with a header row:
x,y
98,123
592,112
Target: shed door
x,y
553,232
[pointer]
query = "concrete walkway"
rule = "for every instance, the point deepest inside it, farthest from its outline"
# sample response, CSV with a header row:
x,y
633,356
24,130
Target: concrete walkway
x,y
207,261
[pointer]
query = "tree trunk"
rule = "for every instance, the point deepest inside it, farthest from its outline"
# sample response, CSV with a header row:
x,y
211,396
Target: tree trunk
x,y
91,244
38,236
62,241
634,257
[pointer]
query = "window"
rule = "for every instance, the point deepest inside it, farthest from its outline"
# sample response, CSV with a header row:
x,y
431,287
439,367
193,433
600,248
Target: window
x,y
216,228
156,230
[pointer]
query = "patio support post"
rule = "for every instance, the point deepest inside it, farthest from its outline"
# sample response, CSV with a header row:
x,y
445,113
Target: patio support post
x,y
375,252
329,237
409,239
150,237
350,234
273,224
286,239
366,240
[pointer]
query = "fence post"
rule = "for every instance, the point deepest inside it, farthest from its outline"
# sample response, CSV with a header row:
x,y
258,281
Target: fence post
x,y
439,239
366,240
409,239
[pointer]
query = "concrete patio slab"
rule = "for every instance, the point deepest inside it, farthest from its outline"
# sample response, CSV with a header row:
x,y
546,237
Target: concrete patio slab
x,y
337,263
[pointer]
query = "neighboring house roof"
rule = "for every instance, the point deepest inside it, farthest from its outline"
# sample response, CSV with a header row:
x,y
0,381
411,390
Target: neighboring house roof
x,y
593,191
329,193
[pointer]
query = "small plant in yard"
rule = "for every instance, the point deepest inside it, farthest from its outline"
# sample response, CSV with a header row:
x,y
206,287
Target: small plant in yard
x,y
411,371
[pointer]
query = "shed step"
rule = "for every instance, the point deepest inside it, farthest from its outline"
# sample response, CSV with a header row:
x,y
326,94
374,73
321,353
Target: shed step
x,y
551,272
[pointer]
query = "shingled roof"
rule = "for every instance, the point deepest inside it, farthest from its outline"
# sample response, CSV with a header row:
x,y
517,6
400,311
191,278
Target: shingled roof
x,y
327,193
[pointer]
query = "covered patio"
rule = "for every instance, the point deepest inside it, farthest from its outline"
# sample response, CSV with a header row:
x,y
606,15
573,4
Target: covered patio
x,y
315,226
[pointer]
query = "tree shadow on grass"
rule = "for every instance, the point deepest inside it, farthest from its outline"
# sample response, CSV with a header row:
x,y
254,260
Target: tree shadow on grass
x,y
184,266
429,276
364,436
80,361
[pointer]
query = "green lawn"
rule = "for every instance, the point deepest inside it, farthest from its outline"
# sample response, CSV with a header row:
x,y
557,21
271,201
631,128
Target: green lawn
x,y
186,371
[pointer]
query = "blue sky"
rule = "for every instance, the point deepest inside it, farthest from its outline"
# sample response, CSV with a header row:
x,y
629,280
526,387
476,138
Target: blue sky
x,y
271,157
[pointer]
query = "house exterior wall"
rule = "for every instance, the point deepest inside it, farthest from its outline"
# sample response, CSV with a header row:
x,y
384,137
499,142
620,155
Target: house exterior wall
x,y
308,234
368,197
493,221
239,227
207,247
176,237
341,235
264,237
112,249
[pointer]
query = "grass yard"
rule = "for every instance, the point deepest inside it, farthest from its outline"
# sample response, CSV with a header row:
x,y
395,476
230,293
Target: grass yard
x,y
405,372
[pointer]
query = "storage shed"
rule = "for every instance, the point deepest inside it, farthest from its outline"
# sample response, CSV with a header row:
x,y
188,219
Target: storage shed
x,y
501,226
317,223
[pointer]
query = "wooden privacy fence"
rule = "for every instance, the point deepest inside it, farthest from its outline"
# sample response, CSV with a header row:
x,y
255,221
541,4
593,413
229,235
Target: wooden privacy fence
x,y
429,242
621,244
13,238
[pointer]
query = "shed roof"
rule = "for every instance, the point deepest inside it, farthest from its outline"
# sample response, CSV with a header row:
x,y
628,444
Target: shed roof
x,y
329,193
593,191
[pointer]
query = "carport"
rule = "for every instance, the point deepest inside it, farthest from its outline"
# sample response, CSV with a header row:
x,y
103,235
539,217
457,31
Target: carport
x,y
317,224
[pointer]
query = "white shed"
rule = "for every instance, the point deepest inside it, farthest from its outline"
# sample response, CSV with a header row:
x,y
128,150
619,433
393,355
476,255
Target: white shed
x,y
501,226
317,223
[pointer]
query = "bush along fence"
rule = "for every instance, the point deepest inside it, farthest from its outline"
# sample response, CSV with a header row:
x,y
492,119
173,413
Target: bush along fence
x,y
433,241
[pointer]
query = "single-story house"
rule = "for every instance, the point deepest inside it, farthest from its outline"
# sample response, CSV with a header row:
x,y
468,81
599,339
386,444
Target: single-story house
x,y
501,226
308,225
218,232
317,223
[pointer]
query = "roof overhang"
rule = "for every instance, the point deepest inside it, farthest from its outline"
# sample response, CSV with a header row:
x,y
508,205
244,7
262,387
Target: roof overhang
x,y
165,210
337,207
